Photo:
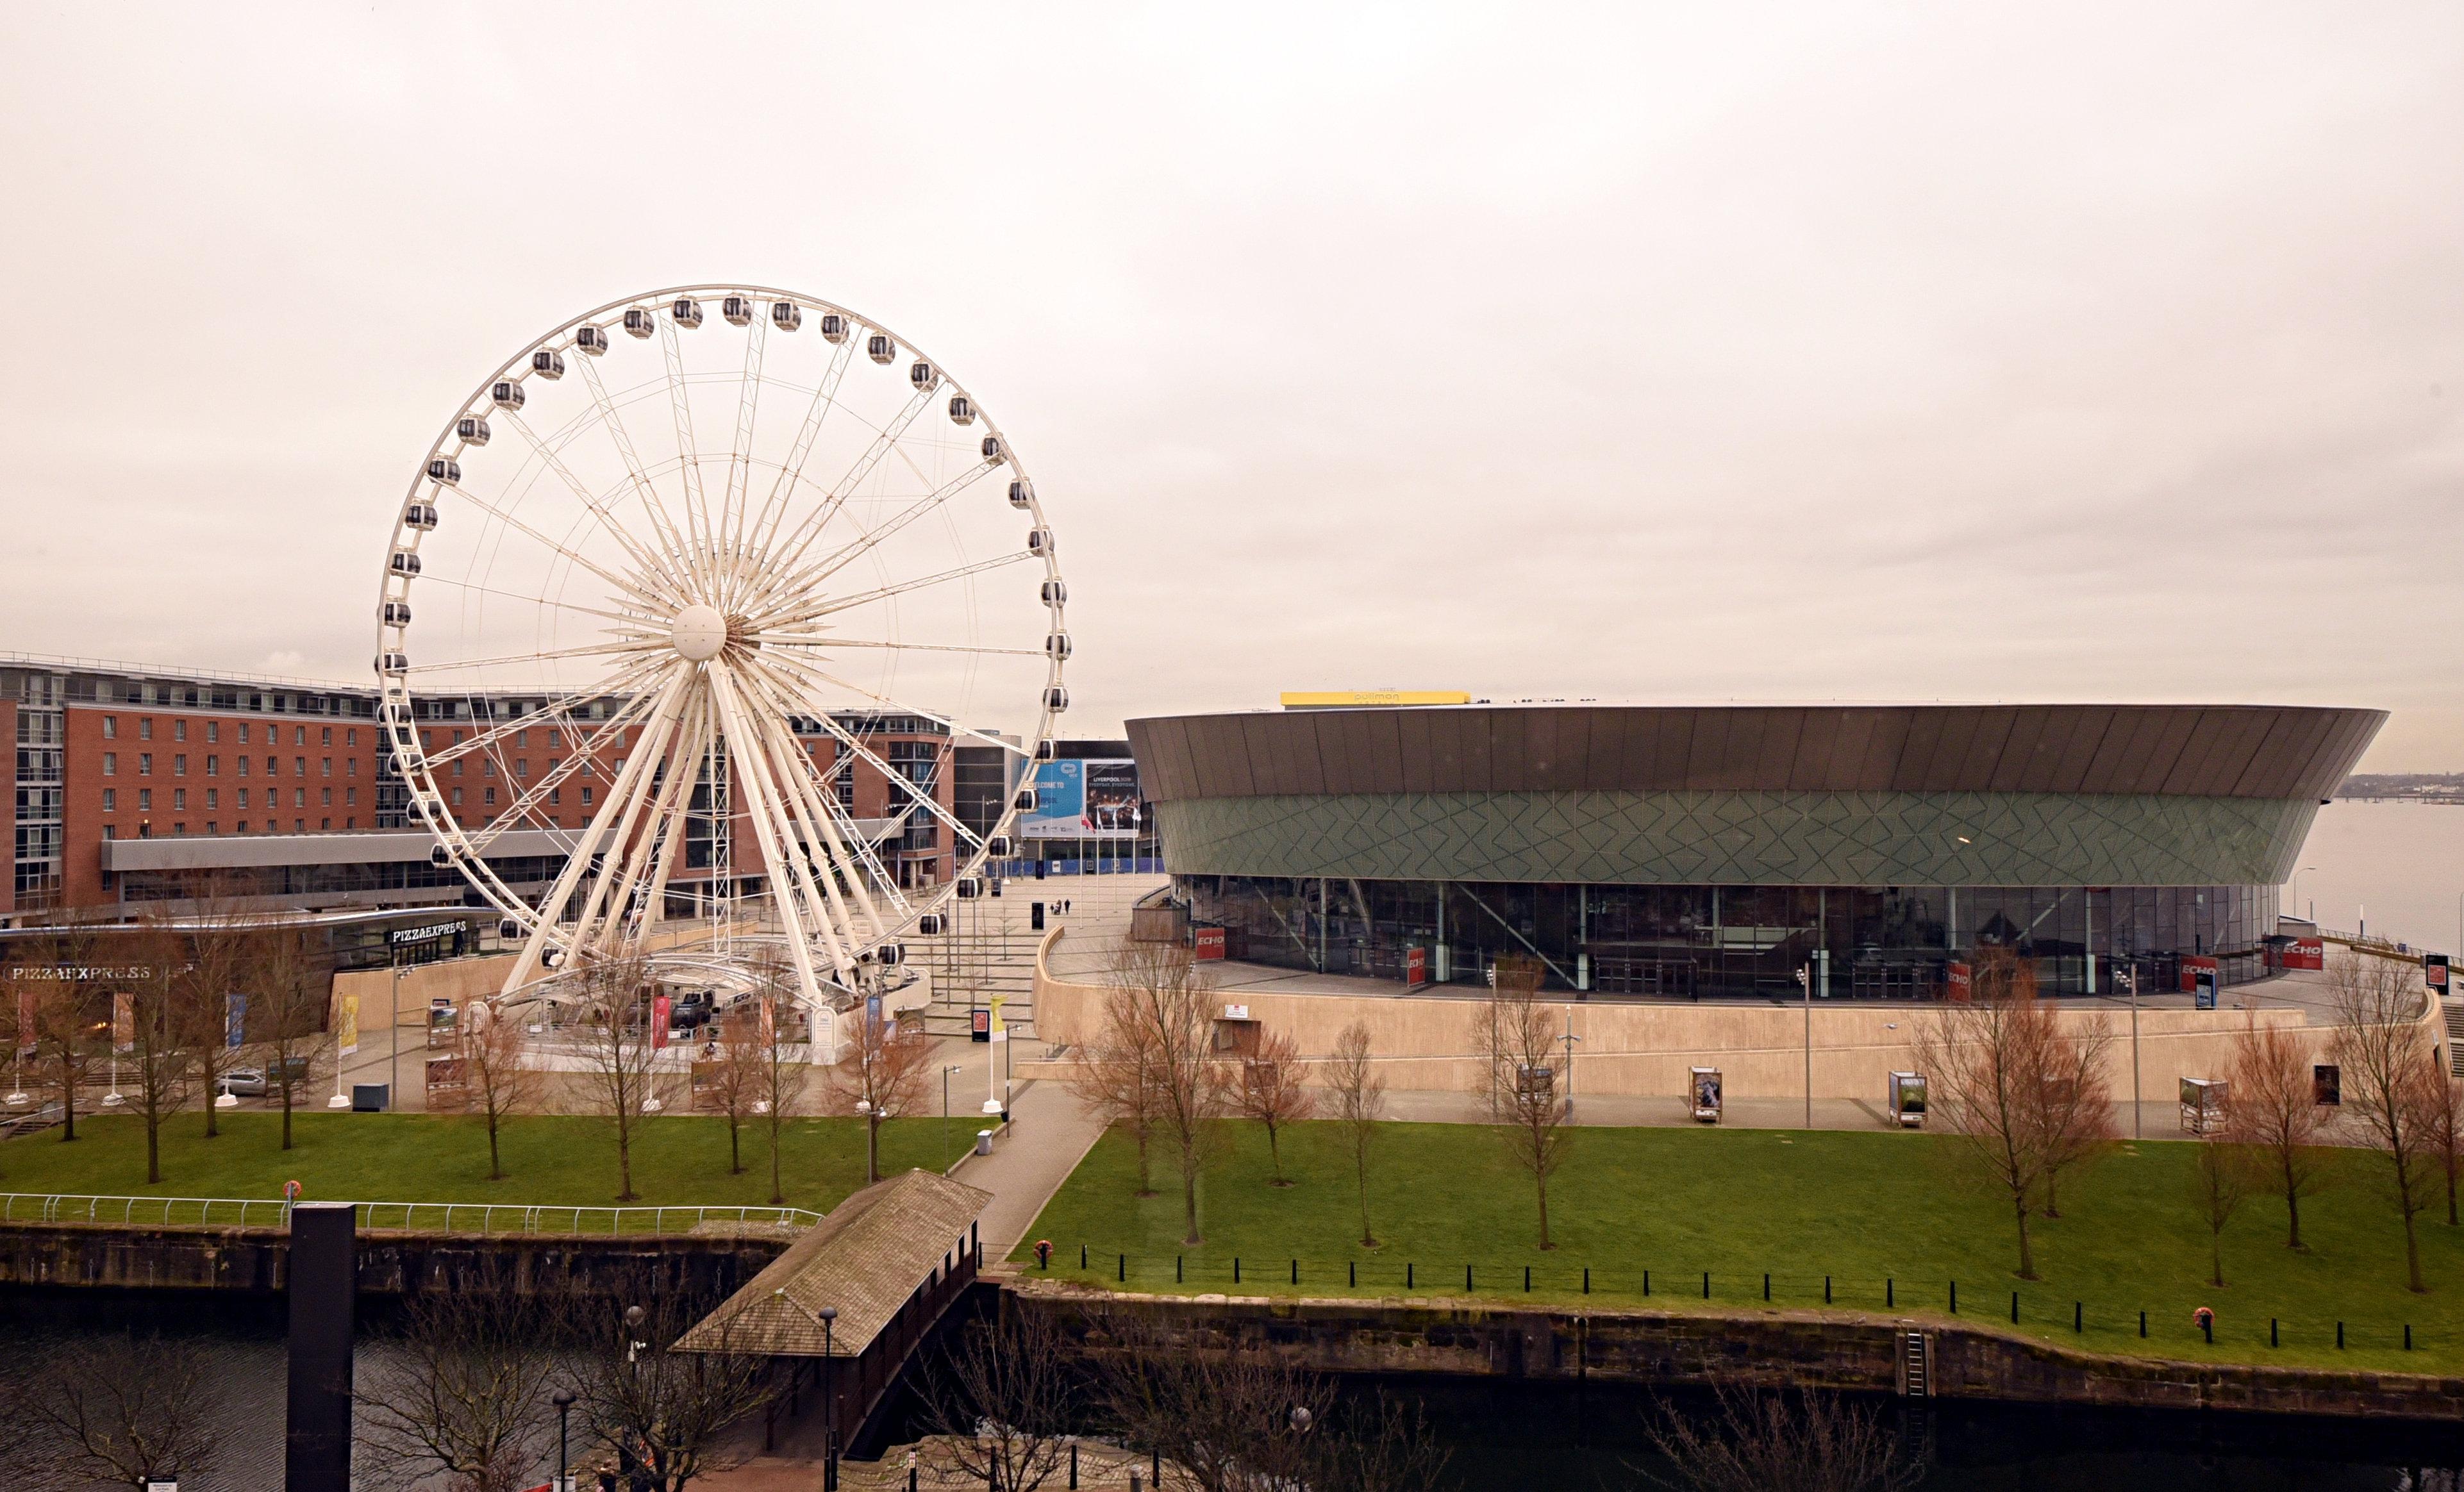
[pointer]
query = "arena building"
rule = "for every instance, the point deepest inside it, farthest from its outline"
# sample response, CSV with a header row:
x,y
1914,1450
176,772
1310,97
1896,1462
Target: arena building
x,y
1680,852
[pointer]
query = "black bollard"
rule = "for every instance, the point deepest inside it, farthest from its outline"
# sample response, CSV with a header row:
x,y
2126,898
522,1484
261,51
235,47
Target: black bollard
x,y
323,1287
1236,1269
2339,1336
2079,1316
1587,1278
1466,1279
1890,1293
2142,1323
1124,1268
1706,1285
1178,1260
1955,1297
1297,1271
2014,1308
1527,1278
1826,1289
2270,1333
1355,1274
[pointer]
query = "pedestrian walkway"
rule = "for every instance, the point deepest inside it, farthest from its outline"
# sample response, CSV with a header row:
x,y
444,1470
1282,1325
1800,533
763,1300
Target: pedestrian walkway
x,y
1048,1135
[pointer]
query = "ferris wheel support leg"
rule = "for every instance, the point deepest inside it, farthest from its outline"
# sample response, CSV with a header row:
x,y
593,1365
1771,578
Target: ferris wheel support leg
x,y
799,950
652,846
849,848
779,750
623,797
803,773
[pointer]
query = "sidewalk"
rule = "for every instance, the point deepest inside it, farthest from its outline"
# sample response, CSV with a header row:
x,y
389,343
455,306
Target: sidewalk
x,y
1048,1135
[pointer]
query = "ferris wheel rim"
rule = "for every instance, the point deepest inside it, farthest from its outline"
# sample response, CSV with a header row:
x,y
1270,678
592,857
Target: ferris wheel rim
x,y
402,727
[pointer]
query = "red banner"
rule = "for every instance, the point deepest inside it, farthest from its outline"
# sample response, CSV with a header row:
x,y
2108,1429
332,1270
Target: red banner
x,y
660,1005
1208,942
2305,952
2191,964
1415,968
1960,986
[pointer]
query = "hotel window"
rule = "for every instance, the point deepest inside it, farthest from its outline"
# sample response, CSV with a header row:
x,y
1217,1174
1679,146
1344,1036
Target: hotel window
x,y
243,798
327,802
111,763
299,797
457,738
110,831
298,766
457,766
522,767
351,767
350,823
213,765
213,798
145,799
179,729
145,763
243,740
145,831
555,740
241,827
351,736
272,766
351,795
488,768
111,727
211,828
521,737
213,730
298,825
556,794
329,737
111,800
324,823
491,797
243,764
585,795
300,736
180,765
179,800
458,798
145,728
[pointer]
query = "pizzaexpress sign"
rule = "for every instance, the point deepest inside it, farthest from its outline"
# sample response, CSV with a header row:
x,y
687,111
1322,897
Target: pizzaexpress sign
x,y
422,934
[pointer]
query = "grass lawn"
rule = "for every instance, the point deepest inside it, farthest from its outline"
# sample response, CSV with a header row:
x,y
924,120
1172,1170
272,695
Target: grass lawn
x,y
1858,1208
552,1160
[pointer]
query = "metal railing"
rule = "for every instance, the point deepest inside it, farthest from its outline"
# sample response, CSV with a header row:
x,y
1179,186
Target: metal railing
x,y
464,1217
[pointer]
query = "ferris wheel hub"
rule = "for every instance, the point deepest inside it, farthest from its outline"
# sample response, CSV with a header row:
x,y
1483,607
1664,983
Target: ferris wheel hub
x,y
698,633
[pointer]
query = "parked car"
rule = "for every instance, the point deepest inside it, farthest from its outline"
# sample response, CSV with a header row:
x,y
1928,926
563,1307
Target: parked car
x,y
256,1083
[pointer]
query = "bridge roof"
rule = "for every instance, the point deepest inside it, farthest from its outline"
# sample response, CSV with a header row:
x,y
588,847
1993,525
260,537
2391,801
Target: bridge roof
x,y
867,1257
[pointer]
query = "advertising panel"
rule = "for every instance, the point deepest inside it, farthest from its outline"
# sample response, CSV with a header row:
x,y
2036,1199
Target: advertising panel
x,y
1208,942
2194,965
1074,799
2305,952
2434,973
347,1023
1415,967
1960,984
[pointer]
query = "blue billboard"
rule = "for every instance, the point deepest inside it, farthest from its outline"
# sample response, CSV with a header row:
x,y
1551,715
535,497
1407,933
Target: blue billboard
x,y
1076,798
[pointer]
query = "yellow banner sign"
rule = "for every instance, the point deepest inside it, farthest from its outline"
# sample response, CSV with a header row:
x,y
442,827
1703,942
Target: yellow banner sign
x,y
1339,699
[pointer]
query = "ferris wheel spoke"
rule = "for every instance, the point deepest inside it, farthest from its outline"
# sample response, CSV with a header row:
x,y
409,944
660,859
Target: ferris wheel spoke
x,y
641,618
601,914
615,686
813,574
804,840
698,529
623,800
847,841
826,644
662,523
920,793
663,839
553,654
739,468
647,562
782,486
841,490
819,675
838,604
564,771
505,516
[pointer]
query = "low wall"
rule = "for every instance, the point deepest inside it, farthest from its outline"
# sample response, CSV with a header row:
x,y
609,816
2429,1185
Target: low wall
x,y
1640,1347
457,980
390,1263
1427,1041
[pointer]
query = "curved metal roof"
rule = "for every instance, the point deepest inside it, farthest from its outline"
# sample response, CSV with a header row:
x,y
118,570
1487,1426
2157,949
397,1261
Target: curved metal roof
x,y
2215,751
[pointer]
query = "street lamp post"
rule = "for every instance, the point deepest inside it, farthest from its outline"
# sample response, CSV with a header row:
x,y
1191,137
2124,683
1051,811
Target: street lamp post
x,y
393,1043
563,1400
2131,977
2292,893
830,1404
945,1088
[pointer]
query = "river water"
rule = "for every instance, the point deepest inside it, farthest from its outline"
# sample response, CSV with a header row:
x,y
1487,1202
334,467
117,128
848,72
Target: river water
x,y
2399,867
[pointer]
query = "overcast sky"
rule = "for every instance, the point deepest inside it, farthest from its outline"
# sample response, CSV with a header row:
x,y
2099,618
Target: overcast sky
x,y
2066,352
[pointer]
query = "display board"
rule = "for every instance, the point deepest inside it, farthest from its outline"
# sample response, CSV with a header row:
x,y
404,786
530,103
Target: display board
x,y
1084,798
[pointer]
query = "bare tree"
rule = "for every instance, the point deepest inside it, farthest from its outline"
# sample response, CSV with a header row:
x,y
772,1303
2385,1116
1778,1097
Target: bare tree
x,y
1809,1441
208,987
496,1061
1008,1395
1518,1079
665,1414
883,1071
1987,1064
2074,1104
2447,1132
117,1410
2222,1177
70,1005
1115,1076
784,1076
1271,1093
2391,1080
291,989
731,1076
156,1068
1175,1013
464,1400
2274,1115
1225,1416
1359,1107
620,1051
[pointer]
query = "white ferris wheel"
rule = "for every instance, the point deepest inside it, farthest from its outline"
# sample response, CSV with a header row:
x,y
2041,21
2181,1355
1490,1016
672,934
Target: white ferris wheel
x,y
666,578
